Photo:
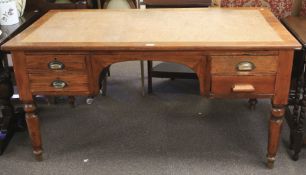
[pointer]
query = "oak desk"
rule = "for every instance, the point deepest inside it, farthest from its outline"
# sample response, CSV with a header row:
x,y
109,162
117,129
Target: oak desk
x,y
236,53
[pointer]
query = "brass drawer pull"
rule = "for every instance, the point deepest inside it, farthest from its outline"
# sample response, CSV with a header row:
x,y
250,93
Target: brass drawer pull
x,y
59,84
243,88
56,65
245,66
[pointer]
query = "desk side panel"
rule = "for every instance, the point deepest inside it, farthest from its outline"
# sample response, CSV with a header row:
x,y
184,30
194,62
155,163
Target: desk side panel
x,y
283,77
21,76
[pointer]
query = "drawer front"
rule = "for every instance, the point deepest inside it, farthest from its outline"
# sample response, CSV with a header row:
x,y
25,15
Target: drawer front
x,y
244,65
237,85
58,63
40,83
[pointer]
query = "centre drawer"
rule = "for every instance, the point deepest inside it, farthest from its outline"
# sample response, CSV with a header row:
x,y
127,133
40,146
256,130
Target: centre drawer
x,y
40,83
243,85
244,65
56,63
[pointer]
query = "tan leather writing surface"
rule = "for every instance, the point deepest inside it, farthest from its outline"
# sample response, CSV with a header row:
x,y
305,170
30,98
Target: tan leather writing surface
x,y
201,28
155,26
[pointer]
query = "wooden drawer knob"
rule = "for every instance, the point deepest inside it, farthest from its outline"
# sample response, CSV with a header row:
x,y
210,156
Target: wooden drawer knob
x,y
56,65
245,66
243,88
59,84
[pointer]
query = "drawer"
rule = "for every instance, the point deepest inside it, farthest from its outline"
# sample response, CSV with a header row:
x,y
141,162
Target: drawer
x,y
244,65
235,85
58,83
57,63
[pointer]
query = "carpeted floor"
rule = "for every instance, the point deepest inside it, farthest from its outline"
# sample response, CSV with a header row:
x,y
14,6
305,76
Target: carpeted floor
x,y
171,132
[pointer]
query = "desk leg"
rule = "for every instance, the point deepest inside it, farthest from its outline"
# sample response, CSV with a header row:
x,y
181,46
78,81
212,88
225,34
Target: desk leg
x,y
34,129
279,102
275,125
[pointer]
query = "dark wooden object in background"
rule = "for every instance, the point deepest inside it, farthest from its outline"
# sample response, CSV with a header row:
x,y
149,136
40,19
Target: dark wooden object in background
x,y
104,3
295,114
45,5
177,3
7,114
6,108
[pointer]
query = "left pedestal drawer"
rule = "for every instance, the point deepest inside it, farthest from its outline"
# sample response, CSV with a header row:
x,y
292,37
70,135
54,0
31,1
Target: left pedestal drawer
x,y
53,62
59,84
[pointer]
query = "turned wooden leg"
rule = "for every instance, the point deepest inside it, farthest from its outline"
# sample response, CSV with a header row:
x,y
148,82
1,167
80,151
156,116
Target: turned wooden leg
x,y
275,125
34,130
252,103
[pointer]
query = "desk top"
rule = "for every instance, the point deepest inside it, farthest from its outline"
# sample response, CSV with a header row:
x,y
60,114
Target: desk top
x,y
297,25
195,29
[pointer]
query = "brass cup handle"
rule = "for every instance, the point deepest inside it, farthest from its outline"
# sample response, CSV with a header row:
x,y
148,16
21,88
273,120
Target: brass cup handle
x,y
56,65
59,84
245,66
243,88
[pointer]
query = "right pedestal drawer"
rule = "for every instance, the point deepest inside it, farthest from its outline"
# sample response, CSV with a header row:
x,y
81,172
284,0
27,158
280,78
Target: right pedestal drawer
x,y
244,65
239,85
243,75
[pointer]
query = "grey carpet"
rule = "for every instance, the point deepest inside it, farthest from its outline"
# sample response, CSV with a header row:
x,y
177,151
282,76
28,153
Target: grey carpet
x,y
172,132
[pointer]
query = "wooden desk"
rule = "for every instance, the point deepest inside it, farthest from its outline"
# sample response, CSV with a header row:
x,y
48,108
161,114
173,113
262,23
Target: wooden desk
x,y
296,115
236,53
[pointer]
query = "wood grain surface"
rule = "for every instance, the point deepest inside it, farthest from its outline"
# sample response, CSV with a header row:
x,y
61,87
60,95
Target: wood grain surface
x,y
228,64
156,28
223,85
41,83
39,63
211,42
